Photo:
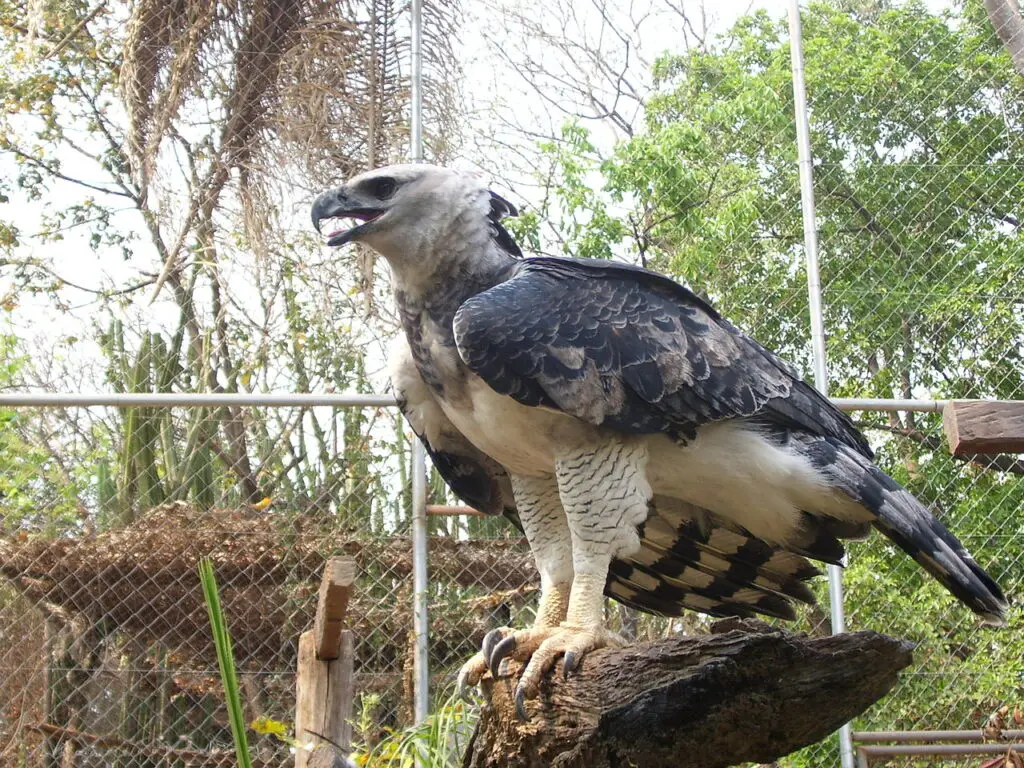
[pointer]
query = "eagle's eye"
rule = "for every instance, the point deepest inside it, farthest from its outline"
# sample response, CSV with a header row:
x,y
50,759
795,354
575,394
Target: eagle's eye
x,y
384,187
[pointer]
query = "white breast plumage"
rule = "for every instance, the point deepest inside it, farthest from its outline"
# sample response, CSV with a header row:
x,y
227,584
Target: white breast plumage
x,y
522,439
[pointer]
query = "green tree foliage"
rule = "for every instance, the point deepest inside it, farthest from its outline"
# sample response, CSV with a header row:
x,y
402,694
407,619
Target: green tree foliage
x,y
916,122
39,493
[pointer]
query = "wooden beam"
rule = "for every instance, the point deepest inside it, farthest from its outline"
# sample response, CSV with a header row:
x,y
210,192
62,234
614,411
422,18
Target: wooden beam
x,y
335,591
324,696
448,510
984,427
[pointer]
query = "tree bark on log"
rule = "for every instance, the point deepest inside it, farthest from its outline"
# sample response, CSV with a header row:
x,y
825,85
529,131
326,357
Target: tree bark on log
x,y
746,693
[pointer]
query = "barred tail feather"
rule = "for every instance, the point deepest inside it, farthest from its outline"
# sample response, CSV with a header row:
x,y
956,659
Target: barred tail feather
x,y
734,560
688,561
658,589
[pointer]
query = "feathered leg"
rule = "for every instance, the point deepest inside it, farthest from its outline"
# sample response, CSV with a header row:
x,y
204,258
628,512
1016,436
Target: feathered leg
x,y
547,531
605,494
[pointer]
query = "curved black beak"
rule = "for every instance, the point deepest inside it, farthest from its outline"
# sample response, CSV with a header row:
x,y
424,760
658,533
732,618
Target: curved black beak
x,y
327,205
337,202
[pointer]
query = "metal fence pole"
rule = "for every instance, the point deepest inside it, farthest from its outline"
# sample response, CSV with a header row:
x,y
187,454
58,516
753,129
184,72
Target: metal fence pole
x,y
421,659
421,670
334,400
803,136
416,84
195,400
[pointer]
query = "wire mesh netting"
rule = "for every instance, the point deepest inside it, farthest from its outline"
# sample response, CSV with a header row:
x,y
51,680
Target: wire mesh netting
x,y
108,654
178,145
108,658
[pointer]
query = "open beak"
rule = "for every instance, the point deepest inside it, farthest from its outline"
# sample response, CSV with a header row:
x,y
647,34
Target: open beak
x,y
336,204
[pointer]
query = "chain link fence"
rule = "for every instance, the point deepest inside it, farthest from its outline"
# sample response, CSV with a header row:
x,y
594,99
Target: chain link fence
x,y
108,658
684,161
918,186
107,653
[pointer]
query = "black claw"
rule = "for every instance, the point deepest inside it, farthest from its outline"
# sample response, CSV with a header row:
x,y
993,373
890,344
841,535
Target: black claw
x,y
501,650
491,639
520,698
570,664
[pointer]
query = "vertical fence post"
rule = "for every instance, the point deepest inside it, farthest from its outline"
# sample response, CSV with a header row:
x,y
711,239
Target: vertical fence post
x,y
416,84
421,672
803,138
421,660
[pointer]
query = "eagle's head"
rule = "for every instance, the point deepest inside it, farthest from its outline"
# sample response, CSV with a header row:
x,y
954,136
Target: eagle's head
x,y
412,213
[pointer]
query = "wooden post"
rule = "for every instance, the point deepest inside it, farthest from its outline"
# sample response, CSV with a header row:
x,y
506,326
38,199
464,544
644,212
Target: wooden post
x,y
335,590
984,427
323,684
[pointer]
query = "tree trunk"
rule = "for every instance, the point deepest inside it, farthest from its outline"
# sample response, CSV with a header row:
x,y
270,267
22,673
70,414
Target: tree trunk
x,y
1006,18
748,693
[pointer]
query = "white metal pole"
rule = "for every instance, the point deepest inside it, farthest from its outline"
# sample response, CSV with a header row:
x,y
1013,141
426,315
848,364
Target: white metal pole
x,y
194,399
339,399
416,84
421,625
335,400
803,138
421,659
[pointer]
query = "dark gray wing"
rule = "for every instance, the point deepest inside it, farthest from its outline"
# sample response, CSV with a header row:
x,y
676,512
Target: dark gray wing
x,y
623,347
474,479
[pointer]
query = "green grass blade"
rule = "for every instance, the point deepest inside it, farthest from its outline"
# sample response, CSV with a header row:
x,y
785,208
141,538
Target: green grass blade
x,y
226,662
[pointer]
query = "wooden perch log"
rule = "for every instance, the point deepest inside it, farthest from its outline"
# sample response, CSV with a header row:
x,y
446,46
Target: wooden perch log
x,y
748,693
984,427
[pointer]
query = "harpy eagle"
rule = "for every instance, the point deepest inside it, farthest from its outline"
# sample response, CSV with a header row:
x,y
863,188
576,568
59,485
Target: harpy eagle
x,y
649,450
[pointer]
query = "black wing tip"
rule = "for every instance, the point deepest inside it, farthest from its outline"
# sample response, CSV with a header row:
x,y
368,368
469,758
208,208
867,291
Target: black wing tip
x,y
819,540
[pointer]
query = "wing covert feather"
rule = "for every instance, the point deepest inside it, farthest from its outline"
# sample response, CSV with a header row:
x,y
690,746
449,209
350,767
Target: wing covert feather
x,y
622,347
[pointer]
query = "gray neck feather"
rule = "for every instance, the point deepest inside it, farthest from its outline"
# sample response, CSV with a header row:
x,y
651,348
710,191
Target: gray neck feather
x,y
452,258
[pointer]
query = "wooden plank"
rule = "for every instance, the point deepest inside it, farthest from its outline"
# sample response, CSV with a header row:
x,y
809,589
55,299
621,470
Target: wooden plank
x,y
335,591
324,697
448,510
984,427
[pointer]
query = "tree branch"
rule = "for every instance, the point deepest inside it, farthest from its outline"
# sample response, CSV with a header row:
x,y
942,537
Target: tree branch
x,y
63,177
